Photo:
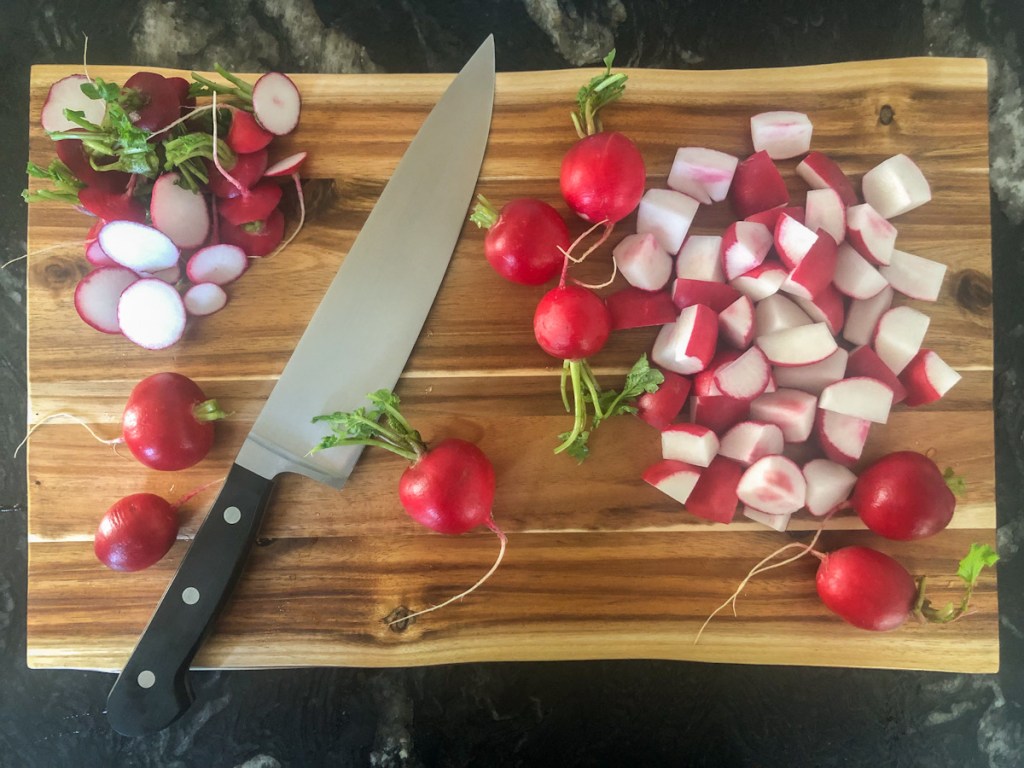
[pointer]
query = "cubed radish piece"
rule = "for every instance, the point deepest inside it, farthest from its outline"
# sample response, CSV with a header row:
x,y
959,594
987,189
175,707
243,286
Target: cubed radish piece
x,y
870,234
718,412
276,103
899,335
863,316
151,313
179,213
744,246
700,258
927,378
220,264
791,410
822,172
704,382
66,93
171,275
717,296
792,240
703,174
692,443
914,276
667,215
673,478
736,323
895,186
643,263
661,407
855,276
773,484
776,522
814,377
841,437
286,166
771,217
745,377
825,210
757,186
96,256
781,134
714,496
97,294
859,396
204,299
827,307
802,345
633,308
687,345
762,281
748,441
864,361
828,485
777,313
815,271
138,247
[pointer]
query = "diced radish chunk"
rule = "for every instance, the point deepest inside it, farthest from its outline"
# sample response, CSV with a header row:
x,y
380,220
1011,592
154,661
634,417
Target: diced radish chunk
x,y
633,308
744,246
792,410
802,345
718,412
736,323
703,174
171,275
827,307
859,396
855,277
692,443
97,294
815,271
864,361
700,258
773,484
825,210
745,377
870,234
66,93
643,262
667,215
704,382
714,496
757,186
687,345
748,441
138,247
771,217
899,335
841,437
96,256
927,378
762,281
914,276
828,485
777,313
204,299
673,478
822,172
781,134
151,313
895,186
776,522
179,213
661,407
792,240
220,264
717,296
287,165
864,314
814,377
276,103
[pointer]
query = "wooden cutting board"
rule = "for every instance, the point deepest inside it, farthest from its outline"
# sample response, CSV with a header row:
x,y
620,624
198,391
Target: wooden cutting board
x,y
599,564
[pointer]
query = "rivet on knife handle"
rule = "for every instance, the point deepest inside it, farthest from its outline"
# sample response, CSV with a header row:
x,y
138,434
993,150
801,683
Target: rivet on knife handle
x,y
153,689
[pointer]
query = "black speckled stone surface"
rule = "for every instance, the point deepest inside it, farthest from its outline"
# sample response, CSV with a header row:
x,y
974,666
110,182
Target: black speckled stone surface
x,y
637,713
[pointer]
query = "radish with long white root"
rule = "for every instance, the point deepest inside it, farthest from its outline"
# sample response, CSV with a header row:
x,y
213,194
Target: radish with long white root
x,y
745,245
276,103
757,186
703,174
750,441
899,335
151,313
180,213
287,166
870,234
828,485
690,443
137,246
782,134
676,479
643,262
895,186
773,484
792,410
855,276
700,258
927,378
667,215
802,345
858,396
97,295
914,276
631,307
820,171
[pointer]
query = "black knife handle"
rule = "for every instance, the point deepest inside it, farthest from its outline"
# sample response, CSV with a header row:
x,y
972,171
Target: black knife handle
x,y
153,689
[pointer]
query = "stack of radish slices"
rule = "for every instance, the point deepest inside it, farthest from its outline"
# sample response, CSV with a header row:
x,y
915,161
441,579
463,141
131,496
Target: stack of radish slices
x,y
781,338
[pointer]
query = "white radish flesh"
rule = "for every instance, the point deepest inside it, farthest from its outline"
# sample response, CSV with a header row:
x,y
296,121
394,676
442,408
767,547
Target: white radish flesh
x,y
703,174
914,276
814,377
220,264
828,485
744,378
276,103
781,134
899,335
855,276
744,246
792,410
777,313
822,172
700,258
776,522
748,441
870,233
802,345
97,294
927,378
773,484
643,262
827,307
691,443
675,479
824,209
841,437
286,166
179,213
792,240
66,93
864,361
667,215
137,246
895,186
863,316
859,396
96,256
687,345
204,299
151,314
762,281
736,323
816,269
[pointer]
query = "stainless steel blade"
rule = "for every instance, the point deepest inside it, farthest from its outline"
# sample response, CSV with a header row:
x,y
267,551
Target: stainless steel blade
x,y
361,335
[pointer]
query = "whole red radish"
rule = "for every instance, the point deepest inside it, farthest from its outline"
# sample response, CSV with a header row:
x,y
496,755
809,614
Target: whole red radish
x,y
152,101
571,322
245,134
904,496
248,168
866,588
256,238
136,532
112,206
523,239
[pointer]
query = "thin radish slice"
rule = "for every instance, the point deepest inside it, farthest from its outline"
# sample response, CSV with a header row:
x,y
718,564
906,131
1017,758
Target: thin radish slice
x,y
67,94
97,294
138,247
286,166
204,299
773,484
151,313
179,213
171,275
219,264
276,103
96,256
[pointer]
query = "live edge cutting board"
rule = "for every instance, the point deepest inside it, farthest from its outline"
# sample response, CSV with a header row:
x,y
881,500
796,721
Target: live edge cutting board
x,y
599,565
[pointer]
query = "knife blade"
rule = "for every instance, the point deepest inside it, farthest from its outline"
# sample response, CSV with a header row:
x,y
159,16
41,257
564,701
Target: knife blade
x,y
357,341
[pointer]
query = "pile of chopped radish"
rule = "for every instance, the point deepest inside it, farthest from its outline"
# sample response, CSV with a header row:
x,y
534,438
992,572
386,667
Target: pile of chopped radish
x,y
782,339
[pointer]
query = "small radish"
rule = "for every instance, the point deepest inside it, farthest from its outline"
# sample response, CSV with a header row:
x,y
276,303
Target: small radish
x,y
714,496
254,204
687,345
822,172
245,134
714,296
65,94
813,377
179,213
112,206
634,308
643,262
276,103
703,174
904,496
700,258
661,407
864,314
524,241
152,100
781,134
667,215
870,234
571,322
757,186
690,443
151,313
256,238
927,378
204,299
866,588
286,166
914,276
247,170
895,186
97,295
673,478
136,532
138,247
219,264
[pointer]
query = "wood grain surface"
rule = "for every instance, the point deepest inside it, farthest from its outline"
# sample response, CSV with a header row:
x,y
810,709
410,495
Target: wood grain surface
x,y
599,564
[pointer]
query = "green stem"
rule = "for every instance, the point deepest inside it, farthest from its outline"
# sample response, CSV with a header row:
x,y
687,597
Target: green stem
x,y
561,385
587,374
405,454
484,214
579,406
209,410
234,79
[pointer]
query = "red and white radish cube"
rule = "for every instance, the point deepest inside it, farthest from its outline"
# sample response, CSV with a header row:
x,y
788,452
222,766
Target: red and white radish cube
x,y
828,485
864,361
822,172
792,410
813,377
661,407
781,134
151,313
855,276
703,174
673,478
859,396
776,522
757,186
687,345
826,307
816,269
825,210
220,264
773,484
744,246
895,186
792,240
748,441
66,93
643,262
717,296
736,323
870,233
863,315
927,378
97,294
204,299
704,382
762,281
138,247
745,377
692,443
667,215
631,307
842,437
700,258
802,345
777,313
718,412
914,276
714,496
178,212
899,335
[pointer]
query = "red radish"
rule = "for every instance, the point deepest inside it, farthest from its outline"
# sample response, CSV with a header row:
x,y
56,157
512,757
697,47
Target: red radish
x,y
792,240
700,258
247,170
863,361
904,496
718,412
855,276
859,396
687,345
828,485
744,246
156,100
97,294
255,204
714,496
136,532
168,422
749,441
895,186
864,314
72,154
927,378
643,262
667,215
757,186
745,377
673,478
703,174
866,588
899,335
64,94
815,271
870,234
661,407
781,134
171,275
138,247
603,177
633,308
792,410
825,210
204,299
773,484
219,264
776,522
287,166
841,437
826,307
777,313
736,323
914,276
822,172
524,241
179,213
151,313
571,322
802,345
256,238
715,296
771,216
95,254
245,134
691,443
112,206
762,281
276,103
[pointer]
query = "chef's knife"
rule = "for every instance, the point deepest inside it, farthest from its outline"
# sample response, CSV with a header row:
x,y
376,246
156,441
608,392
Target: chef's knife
x,y
357,341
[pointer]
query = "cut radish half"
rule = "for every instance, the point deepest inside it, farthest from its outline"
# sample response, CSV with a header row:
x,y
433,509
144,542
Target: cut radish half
x,y
757,186
673,478
736,323
704,382
762,281
287,166
97,294
745,377
276,103
643,262
179,213
841,437
667,215
792,240
138,247
792,410
714,496
828,485
744,246
700,258
899,335
776,522
863,361
687,345
777,313
718,412
815,271
220,264
716,296
781,134
661,407
633,308
822,172
204,299
825,210
854,276
859,396
703,174
802,345
692,443
773,484
870,233
927,378
914,276
66,93
895,186
748,441
864,314
151,313
814,377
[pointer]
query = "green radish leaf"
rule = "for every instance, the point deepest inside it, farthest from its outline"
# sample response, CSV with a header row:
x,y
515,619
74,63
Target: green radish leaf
x,y
979,557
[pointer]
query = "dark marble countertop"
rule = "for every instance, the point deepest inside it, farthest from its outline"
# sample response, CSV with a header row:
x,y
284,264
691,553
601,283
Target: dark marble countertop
x,y
641,713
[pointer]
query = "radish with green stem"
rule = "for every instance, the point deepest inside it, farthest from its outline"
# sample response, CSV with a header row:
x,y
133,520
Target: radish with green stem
x,y
525,239
905,496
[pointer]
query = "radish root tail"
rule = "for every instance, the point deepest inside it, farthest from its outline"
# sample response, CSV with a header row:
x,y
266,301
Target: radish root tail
x,y
216,160
115,441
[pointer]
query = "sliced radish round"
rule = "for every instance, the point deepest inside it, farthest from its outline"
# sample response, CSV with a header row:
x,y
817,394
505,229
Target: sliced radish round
x,y
204,299
773,484
220,264
137,246
276,103
151,313
286,166
170,275
97,294
66,93
96,256
179,213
